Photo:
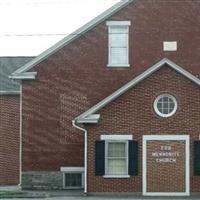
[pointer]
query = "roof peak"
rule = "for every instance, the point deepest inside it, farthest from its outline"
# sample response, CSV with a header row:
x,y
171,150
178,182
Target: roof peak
x,y
73,36
131,84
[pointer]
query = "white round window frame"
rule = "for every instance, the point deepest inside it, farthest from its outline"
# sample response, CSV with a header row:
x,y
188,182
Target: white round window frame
x,y
156,108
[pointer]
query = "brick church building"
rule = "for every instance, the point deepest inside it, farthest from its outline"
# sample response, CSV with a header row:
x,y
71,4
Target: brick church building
x,y
115,106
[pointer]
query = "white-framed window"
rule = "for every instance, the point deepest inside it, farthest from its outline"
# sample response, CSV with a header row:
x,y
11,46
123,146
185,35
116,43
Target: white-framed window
x,y
73,180
116,158
118,43
165,105
73,177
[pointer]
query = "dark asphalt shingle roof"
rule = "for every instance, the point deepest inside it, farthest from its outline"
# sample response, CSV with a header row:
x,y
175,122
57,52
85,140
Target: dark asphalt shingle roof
x,y
7,66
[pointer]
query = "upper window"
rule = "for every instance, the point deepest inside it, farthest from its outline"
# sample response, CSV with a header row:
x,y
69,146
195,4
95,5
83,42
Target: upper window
x,y
116,158
118,43
165,105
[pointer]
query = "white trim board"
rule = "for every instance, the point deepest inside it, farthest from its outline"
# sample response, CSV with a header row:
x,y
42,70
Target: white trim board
x,y
72,169
13,92
186,138
116,137
134,82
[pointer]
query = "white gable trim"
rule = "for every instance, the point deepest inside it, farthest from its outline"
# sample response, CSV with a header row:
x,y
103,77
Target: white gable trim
x,y
73,36
116,137
135,81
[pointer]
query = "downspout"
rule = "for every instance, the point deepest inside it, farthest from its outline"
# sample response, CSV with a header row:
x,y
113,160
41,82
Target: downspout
x,y
20,138
85,153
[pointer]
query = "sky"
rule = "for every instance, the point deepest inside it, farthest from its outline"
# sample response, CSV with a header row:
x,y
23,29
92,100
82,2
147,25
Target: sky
x,y
28,27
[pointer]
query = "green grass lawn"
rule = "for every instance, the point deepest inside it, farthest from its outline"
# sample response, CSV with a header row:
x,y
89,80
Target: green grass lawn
x,y
11,193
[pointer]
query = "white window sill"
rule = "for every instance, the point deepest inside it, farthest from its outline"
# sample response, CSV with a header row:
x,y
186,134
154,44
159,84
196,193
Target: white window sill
x,y
116,176
73,188
121,65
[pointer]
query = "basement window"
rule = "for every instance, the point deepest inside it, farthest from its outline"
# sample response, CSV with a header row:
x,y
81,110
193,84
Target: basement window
x,y
73,177
73,180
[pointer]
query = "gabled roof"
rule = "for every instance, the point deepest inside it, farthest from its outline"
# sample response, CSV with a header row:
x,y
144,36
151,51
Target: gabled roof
x,y
83,118
67,40
7,66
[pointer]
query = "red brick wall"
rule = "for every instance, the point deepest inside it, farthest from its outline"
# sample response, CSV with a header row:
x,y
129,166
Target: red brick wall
x,y
9,140
77,77
166,176
133,113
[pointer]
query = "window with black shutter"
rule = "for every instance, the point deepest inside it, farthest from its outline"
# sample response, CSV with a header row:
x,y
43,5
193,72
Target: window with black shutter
x,y
116,158
100,158
133,158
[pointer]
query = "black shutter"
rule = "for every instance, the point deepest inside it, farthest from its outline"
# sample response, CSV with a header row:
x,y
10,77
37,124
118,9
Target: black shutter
x,y
197,158
133,158
100,158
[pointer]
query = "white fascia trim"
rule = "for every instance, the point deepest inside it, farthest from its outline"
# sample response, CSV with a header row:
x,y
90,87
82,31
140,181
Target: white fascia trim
x,y
166,137
118,23
76,34
92,119
137,80
24,76
117,137
72,169
9,92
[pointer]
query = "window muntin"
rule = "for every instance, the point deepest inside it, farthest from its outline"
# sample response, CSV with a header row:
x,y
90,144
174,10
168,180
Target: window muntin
x,y
165,105
73,180
118,46
116,158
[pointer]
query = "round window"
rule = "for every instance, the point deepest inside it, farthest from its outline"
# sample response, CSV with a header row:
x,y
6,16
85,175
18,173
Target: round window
x,y
165,105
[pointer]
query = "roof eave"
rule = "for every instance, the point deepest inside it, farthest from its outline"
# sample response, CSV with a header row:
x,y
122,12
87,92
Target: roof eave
x,y
23,76
9,92
92,119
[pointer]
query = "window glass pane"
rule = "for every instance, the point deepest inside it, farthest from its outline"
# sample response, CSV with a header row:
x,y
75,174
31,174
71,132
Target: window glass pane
x,y
165,105
165,111
118,40
165,99
117,167
73,180
171,105
119,55
116,150
116,158
118,29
